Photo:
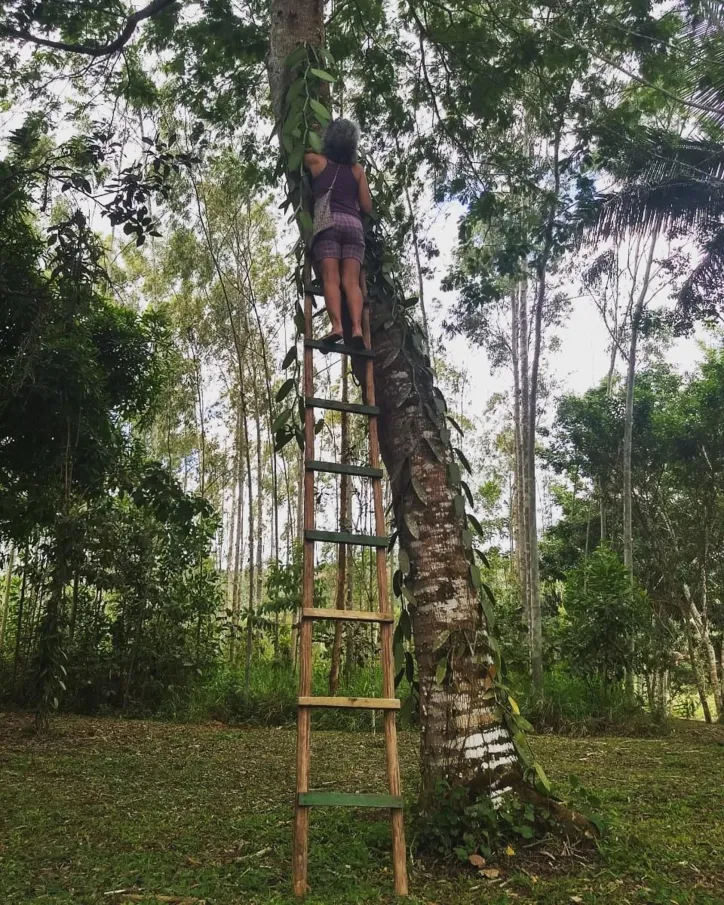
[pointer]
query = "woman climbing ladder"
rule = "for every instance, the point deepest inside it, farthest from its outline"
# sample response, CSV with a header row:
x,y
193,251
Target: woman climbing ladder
x,y
340,191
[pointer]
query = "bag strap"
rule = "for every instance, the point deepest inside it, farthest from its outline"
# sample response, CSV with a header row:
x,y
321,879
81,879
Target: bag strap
x,y
335,177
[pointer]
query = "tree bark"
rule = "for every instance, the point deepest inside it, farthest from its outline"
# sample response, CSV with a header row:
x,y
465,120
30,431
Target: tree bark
x,y
521,533
6,597
628,432
536,627
698,678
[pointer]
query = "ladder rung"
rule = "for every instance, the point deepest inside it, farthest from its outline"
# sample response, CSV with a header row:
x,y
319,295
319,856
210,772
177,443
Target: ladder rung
x,y
338,347
351,703
351,615
349,800
312,402
363,471
341,537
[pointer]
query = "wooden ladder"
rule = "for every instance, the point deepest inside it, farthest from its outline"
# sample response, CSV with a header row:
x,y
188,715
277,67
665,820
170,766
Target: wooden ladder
x,y
389,704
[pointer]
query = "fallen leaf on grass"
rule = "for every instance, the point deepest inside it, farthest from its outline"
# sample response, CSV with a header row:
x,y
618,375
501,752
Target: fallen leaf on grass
x,y
510,851
476,860
490,873
576,900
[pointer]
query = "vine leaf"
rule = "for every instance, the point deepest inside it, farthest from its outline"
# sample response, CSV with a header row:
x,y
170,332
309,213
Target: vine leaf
x,y
455,425
285,389
468,493
321,74
453,473
320,110
441,671
463,458
404,561
290,357
476,524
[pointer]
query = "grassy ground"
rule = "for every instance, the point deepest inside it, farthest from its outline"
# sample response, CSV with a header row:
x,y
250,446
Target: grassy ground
x,y
205,812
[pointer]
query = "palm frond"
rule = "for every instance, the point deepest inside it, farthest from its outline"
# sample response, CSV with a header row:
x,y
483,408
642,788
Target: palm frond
x,y
702,295
668,185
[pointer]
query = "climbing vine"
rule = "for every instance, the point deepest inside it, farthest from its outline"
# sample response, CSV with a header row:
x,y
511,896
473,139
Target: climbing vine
x,y
304,116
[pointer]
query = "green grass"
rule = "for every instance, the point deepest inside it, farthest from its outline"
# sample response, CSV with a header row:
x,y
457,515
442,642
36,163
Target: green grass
x,y
205,811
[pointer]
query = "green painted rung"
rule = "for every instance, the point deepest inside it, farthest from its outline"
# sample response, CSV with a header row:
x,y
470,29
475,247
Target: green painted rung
x,y
338,347
349,800
340,537
314,289
362,471
312,402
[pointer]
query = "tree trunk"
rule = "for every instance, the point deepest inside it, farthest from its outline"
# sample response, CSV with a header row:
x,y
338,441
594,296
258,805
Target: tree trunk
x,y
239,541
698,678
19,624
464,737
536,626
250,610
519,419
6,598
628,431
702,629
345,505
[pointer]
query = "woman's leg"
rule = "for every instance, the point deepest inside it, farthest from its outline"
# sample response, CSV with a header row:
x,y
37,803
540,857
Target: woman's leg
x,y
332,293
352,293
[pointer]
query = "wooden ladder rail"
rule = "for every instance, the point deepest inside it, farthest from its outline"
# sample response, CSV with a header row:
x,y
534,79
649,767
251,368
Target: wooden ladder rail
x,y
388,703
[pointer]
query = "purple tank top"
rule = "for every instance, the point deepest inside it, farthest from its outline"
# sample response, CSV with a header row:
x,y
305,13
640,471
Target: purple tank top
x,y
345,194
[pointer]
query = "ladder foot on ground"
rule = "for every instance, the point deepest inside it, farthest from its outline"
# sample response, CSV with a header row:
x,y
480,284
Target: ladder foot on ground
x,y
389,704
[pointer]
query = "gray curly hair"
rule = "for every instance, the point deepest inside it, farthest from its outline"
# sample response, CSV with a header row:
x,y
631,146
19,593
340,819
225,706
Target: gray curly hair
x,y
340,141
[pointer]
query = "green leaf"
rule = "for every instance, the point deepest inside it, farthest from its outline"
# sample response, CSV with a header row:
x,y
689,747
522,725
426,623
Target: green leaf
x,y
441,671
397,583
408,595
285,389
541,773
453,473
305,221
405,624
404,561
314,142
320,110
475,576
412,526
295,158
459,505
476,524
296,56
281,419
399,652
466,490
445,435
467,539
321,74
299,322
455,425
290,357
463,458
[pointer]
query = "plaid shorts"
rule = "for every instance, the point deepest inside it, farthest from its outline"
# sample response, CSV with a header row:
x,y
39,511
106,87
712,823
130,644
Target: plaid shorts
x,y
346,239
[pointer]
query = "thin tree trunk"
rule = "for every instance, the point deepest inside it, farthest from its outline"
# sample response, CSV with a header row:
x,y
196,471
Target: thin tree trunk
x,y
19,624
239,541
526,472
702,630
74,605
628,432
696,670
6,598
519,420
250,609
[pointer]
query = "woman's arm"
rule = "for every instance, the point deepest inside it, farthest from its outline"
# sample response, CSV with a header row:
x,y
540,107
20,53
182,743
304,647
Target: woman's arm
x,y
315,163
365,199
